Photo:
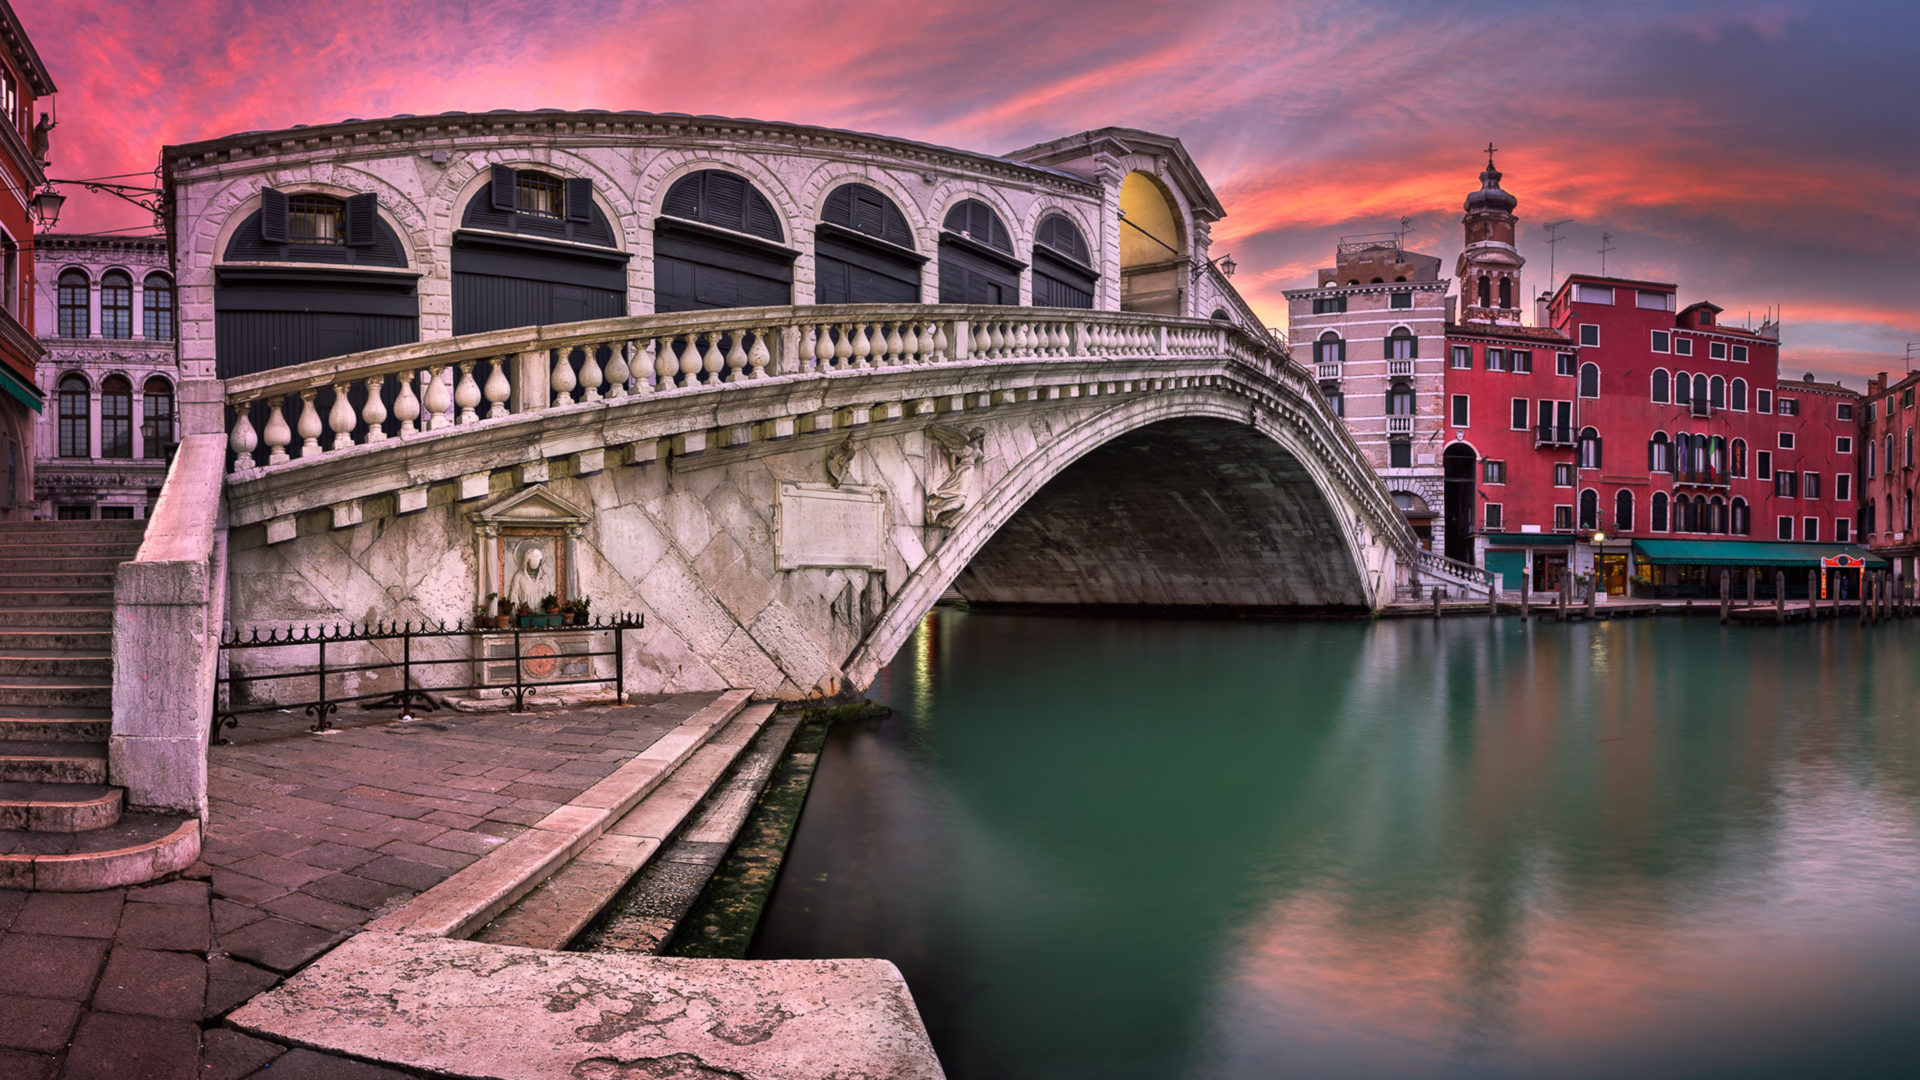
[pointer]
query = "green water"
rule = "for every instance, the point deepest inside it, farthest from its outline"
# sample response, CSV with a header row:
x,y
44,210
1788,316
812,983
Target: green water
x,y
1112,848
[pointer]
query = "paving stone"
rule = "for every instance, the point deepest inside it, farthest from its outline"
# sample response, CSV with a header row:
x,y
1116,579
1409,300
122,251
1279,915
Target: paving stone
x,y
92,915
468,843
55,967
153,983
173,892
23,1066
451,819
317,912
406,873
11,901
332,856
177,927
351,889
308,1065
228,915
279,871
226,1054
39,1025
115,1046
277,943
423,853
245,889
232,983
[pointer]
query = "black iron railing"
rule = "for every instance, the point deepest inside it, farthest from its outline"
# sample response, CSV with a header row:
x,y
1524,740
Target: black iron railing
x,y
1552,435
503,650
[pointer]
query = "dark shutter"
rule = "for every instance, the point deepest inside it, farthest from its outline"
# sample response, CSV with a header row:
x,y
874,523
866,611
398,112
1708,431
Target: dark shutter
x,y
683,198
865,209
761,221
504,178
726,201
273,215
980,224
579,199
363,211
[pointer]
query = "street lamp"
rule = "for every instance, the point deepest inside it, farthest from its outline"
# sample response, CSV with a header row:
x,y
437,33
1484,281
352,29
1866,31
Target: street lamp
x,y
1225,264
46,206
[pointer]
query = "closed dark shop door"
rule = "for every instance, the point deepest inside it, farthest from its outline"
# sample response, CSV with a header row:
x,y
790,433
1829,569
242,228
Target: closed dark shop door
x,y
695,269
261,324
1058,283
498,284
969,277
847,272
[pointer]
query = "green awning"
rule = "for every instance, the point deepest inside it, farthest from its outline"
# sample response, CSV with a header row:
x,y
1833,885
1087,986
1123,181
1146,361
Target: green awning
x,y
1530,539
1748,553
28,393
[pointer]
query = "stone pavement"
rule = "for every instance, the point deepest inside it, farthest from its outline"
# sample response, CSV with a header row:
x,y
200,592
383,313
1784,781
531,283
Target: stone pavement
x,y
309,838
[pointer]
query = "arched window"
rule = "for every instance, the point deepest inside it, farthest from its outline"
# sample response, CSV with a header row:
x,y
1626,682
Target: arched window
x,y
156,307
1659,453
1589,448
1717,516
1697,514
977,264
1329,349
1742,522
1907,461
1907,515
76,402
1700,390
1589,380
1739,395
1871,448
736,260
724,199
1506,292
1657,516
1682,389
1717,392
116,417
1890,460
1699,461
74,318
1219,314
1063,274
1402,345
1589,509
1662,383
863,250
1737,459
156,418
1486,292
1623,511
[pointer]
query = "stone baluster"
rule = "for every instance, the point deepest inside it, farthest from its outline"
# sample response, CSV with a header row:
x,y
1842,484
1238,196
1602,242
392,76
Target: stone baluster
x,y
562,381
242,439
467,394
374,412
757,356
736,356
308,425
997,340
498,389
340,417
666,365
277,435
938,351
822,348
1062,340
590,373
842,349
865,351
618,371
406,406
440,399
982,341
712,361
907,345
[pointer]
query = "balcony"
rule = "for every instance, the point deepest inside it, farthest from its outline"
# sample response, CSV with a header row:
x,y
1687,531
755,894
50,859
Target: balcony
x,y
1699,408
1553,435
1701,478
1327,370
1399,369
1399,425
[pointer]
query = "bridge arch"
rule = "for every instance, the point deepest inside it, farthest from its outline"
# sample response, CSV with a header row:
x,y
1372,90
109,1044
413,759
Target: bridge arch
x,y
1349,564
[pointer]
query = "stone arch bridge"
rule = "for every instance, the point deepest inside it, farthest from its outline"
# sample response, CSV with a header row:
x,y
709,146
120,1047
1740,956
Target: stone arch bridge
x,y
784,492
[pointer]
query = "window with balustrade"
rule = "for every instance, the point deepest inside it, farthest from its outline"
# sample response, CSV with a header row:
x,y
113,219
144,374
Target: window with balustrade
x,y
1402,345
1400,400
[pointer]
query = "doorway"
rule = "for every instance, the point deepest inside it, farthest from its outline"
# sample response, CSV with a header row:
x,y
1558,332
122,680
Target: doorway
x,y
1459,463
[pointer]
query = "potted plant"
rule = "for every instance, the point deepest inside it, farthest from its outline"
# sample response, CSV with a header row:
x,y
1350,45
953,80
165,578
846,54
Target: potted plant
x,y
525,614
503,613
550,610
483,615
579,613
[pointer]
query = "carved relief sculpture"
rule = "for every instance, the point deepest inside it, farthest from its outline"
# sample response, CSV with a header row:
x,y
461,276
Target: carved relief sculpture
x,y
839,460
959,455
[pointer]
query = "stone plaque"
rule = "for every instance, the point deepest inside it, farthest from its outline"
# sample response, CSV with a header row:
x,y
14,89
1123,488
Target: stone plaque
x,y
817,525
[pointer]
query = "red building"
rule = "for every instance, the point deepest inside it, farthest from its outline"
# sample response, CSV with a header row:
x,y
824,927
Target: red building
x,y
1887,418
23,81
1621,437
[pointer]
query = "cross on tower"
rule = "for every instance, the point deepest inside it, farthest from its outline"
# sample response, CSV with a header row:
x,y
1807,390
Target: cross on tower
x,y
1490,149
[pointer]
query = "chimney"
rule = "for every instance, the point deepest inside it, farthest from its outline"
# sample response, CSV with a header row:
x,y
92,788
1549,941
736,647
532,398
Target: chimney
x,y
1452,306
1876,384
1540,305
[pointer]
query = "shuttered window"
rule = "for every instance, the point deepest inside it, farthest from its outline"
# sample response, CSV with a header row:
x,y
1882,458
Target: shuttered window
x,y
310,227
1063,274
865,210
717,197
976,221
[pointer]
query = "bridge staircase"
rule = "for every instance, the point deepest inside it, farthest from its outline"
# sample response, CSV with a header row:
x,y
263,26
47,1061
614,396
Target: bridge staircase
x,y
63,827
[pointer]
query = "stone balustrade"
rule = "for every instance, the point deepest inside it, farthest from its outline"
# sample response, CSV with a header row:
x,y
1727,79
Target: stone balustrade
x,y
299,412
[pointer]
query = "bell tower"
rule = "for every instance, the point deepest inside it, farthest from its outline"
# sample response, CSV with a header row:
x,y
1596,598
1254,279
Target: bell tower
x,y
1489,266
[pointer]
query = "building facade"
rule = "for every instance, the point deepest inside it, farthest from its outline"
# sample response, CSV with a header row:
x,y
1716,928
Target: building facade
x,y
1887,416
108,373
1374,331
23,155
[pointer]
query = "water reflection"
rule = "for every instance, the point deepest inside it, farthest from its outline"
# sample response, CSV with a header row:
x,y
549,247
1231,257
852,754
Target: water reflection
x,y
1156,849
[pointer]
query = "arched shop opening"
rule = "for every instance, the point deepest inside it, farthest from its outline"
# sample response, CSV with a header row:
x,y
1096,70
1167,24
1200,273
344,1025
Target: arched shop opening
x,y
1153,248
719,244
977,263
863,250
534,249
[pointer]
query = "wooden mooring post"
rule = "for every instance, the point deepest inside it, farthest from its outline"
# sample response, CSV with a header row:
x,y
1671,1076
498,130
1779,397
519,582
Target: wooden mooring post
x,y
1780,597
1438,595
1726,596
1813,596
1493,599
1526,589
1560,598
1593,591
1753,583
1863,598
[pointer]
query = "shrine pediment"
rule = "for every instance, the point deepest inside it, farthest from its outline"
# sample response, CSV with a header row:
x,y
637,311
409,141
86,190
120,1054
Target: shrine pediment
x,y
533,506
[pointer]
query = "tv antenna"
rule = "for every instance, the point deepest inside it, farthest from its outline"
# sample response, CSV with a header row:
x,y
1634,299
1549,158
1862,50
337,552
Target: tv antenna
x,y
1606,245
1911,345
1406,226
1553,243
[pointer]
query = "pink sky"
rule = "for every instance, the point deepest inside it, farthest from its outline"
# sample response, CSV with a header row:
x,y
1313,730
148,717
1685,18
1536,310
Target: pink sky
x,y
1757,153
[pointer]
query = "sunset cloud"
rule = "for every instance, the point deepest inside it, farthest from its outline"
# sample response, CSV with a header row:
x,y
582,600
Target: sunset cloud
x,y
1757,153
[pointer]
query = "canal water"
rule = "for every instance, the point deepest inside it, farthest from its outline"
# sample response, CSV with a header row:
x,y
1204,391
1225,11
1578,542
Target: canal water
x,y
1145,848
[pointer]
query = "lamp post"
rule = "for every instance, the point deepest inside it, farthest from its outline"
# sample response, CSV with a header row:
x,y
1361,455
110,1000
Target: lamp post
x,y
49,200
1224,263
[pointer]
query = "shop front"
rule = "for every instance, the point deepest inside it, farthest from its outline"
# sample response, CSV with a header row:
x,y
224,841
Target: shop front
x,y
1690,569
1537,558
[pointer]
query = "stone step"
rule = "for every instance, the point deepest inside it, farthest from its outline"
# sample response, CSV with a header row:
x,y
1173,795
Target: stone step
x,y
53,763
42,598
102,525
55,639
58,807
135,849
12,581
55,664
36,548
472,897
46,690
26,723
47,618
40,559
552,914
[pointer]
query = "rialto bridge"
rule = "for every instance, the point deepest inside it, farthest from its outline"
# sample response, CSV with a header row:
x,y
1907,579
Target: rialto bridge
x,y
961,375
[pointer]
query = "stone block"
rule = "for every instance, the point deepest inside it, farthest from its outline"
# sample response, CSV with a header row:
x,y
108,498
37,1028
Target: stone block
x,y
534,472
644,452
280,529
410,500
888,410
473,486
780,427
347,514
588,462
733,436
852,416
689,443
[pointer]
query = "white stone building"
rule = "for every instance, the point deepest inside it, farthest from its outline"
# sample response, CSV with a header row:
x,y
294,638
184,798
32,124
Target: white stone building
x,y
1374,328
106,318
